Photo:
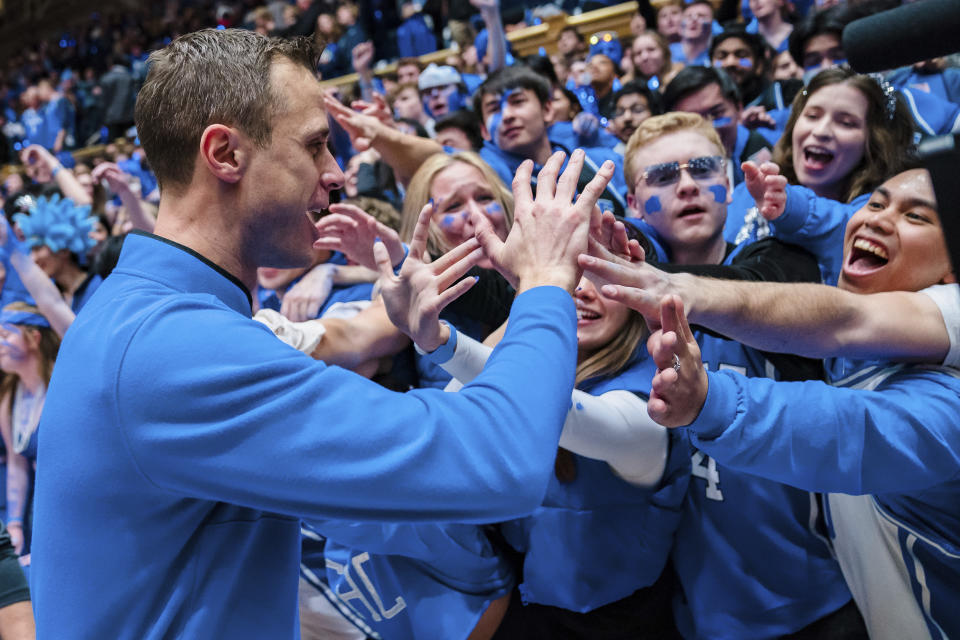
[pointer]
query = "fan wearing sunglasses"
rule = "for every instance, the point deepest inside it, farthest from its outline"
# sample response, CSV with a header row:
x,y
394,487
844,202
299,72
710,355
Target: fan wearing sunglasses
x,y
735,548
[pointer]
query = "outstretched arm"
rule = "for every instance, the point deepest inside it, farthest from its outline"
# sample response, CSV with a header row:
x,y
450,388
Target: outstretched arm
x,y
404,153
68,183
613,427
49,300
496,37
132,203
812,320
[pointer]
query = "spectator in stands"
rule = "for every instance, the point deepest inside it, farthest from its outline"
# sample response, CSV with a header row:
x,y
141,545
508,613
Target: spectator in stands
x,y
652,61
118,90
743,57
670,20
843,137
460,130
711,93
604,82
57,117
264,21
746,59
515,105
414,37
89,108
407,104
674,167
441,90
27,355
367,175
304,21
571,43
408,70
786,68
771,22
815,42
58,234
695,33
634,103
565,104
638,24
32,119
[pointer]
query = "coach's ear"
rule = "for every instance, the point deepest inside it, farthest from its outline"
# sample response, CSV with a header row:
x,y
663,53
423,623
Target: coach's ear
x,y
223,153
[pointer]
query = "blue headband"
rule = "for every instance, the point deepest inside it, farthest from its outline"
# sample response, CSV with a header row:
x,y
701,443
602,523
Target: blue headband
x,y
9,316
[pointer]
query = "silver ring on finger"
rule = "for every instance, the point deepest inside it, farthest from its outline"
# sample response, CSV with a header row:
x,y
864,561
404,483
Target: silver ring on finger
x,y
676,363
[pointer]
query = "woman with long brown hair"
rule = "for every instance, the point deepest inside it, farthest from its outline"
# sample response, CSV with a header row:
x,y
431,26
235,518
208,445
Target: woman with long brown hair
x,y
28,350
845,135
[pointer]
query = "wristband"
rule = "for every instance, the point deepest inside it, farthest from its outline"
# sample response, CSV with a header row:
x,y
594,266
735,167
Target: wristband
x,y
445,351
56,169
16,521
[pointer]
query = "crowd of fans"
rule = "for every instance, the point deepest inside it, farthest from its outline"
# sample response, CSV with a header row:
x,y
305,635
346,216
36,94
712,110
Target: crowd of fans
x,y
717,123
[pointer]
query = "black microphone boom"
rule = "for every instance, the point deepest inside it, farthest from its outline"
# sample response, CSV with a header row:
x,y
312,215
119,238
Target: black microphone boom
x,y
902,36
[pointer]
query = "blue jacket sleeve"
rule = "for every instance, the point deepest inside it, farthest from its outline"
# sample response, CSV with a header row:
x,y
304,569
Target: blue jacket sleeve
x,y
903,436
238,417
818,225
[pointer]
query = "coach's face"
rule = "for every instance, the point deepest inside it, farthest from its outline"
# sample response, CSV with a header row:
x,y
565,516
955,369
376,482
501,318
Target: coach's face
x,y
292,176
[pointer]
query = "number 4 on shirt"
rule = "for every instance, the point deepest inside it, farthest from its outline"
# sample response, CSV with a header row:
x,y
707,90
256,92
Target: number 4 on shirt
x,y
706,467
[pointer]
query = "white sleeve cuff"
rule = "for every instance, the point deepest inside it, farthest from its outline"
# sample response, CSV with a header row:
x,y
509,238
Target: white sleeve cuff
x,y
947,299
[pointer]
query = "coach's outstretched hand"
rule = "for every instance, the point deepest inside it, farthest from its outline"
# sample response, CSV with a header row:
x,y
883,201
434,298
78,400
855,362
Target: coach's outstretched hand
x,y
548,231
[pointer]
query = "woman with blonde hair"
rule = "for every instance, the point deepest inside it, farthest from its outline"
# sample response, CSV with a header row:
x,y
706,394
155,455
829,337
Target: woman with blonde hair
x,y
457,185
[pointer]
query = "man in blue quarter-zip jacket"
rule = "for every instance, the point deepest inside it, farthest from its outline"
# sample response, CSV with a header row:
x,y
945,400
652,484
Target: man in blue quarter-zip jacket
x,y
183,442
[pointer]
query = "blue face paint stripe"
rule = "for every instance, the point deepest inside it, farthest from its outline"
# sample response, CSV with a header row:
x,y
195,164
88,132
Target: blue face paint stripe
x,y
652,205
493,122
722,122
719,192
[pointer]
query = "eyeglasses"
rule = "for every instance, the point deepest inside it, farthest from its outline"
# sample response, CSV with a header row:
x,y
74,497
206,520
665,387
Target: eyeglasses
x,y
702,168
637,110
